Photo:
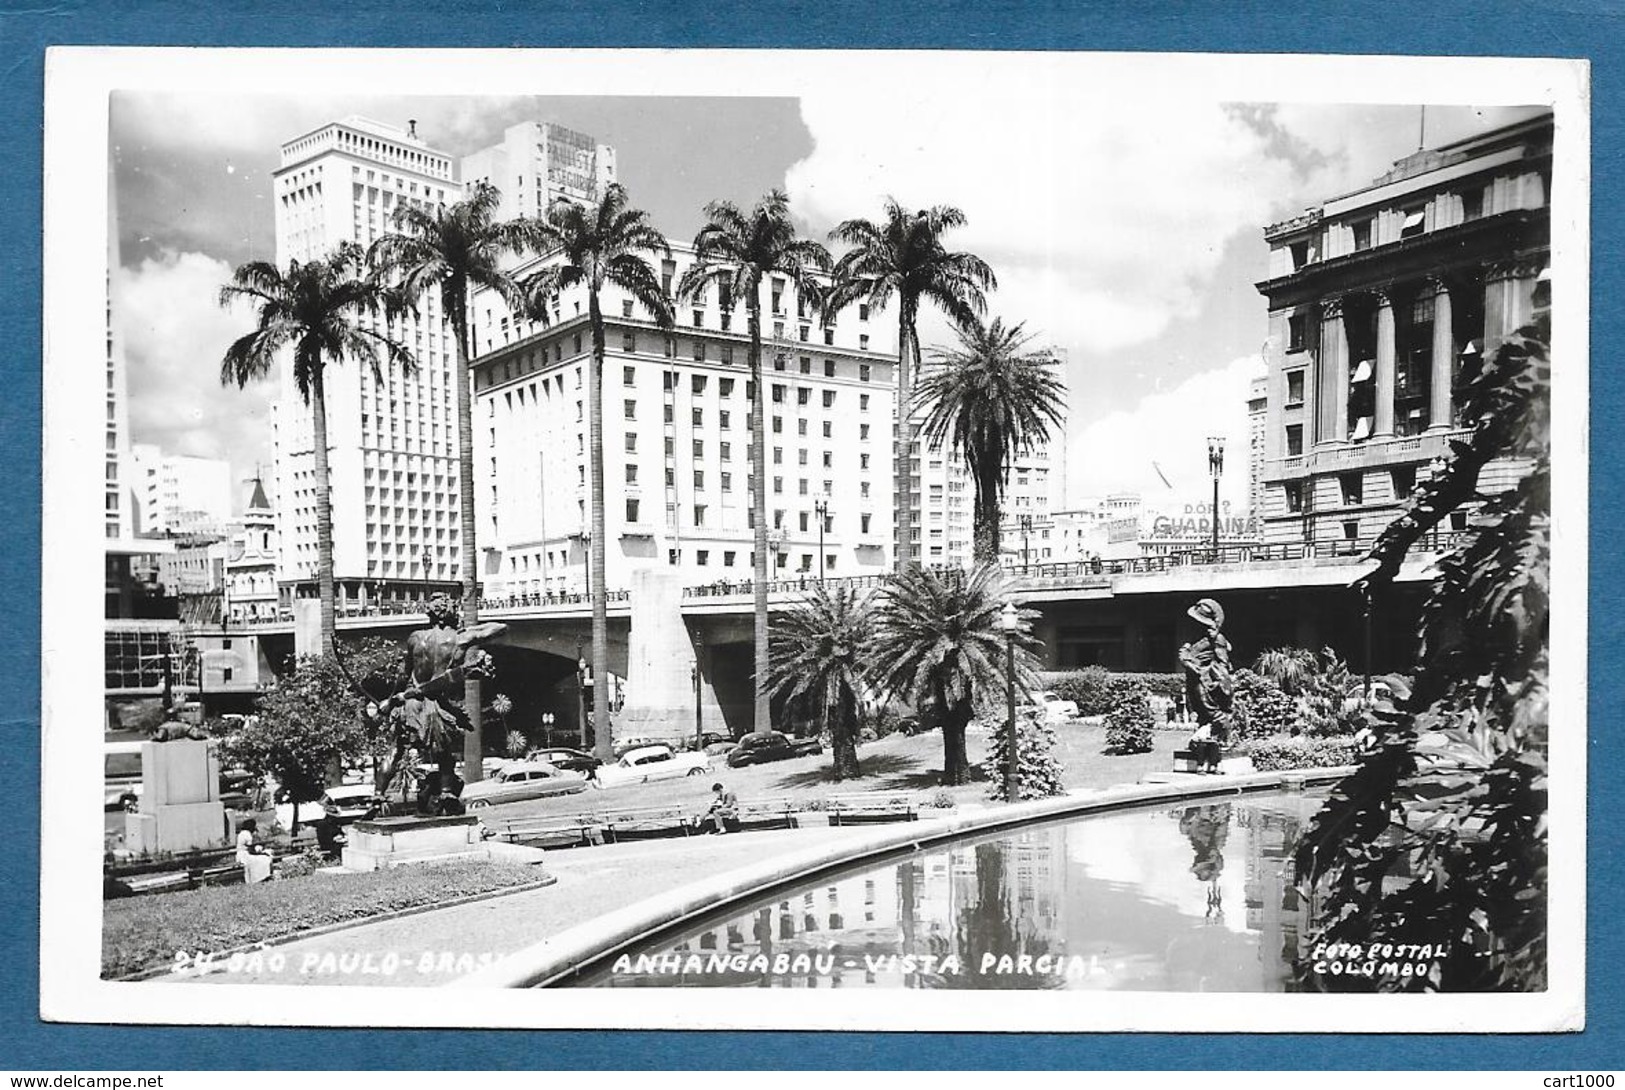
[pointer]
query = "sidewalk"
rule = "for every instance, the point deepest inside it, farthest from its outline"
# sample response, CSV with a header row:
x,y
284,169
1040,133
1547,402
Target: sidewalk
x,y
432,948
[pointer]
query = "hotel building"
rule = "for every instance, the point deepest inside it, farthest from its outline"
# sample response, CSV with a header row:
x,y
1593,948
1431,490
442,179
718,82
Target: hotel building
x,y
677,435
1376,298
537,162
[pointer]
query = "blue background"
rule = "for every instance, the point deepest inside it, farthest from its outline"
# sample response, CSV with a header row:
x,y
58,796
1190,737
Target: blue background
x,y
1577,28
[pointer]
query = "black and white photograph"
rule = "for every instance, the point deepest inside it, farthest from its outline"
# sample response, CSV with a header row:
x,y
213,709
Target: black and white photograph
x,y
702,530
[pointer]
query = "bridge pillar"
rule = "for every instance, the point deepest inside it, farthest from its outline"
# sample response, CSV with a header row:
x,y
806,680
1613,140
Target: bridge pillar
x,y
661,664
307,627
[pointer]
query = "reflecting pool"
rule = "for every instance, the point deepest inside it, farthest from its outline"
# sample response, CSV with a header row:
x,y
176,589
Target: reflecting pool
x,y
1193,898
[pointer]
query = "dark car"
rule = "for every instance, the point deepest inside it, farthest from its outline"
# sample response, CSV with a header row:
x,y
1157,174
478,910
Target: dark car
x,y
571,760
755,749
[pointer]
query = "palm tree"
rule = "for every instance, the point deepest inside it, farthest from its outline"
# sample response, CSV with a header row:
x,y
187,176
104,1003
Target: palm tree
x,y
458,249
938,642
599,246
735,251
903,255
317,309
820,659
991,401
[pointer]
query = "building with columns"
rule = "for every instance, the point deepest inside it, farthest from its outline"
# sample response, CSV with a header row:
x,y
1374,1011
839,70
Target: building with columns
x,y
1376,298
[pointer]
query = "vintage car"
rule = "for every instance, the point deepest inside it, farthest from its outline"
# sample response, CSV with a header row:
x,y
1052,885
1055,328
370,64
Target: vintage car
x,y
755,749
516,781
649,763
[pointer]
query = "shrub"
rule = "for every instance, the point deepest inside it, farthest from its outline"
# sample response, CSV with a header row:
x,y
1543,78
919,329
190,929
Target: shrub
x,y
943,800
1290,668
1038,773
304,863
1261,709
1086,688
1281,754
1129,719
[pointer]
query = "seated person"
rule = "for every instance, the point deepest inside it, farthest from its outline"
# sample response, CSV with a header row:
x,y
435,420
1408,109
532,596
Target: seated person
x,y
724,808
256,861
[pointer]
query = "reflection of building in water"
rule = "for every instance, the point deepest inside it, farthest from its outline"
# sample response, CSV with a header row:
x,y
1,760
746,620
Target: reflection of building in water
x,y
865,927
1274,907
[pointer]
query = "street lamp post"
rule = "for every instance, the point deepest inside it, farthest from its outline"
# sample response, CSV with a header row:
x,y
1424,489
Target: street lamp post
x,y
581,697
1215,466
775,541
1026,529
1010,621
427,557
821,509
699,735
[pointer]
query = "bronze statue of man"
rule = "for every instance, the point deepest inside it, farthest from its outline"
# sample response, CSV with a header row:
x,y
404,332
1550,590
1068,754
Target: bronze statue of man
x,y
1209,686
427,715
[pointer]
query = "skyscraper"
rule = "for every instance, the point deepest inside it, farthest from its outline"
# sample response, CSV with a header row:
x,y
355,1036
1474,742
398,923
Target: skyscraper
x,y
538,161
393,439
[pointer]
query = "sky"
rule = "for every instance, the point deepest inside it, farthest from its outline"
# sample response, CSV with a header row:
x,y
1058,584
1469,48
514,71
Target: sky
x,y
1129,238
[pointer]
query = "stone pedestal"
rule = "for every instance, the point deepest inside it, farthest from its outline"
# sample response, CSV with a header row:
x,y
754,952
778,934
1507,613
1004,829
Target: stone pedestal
x,y
398,841
180,807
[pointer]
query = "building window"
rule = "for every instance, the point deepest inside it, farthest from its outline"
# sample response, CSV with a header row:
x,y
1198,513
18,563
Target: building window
x,y
1294,388
863,461
725,451
1415,220
671,477
671,446
829,368
778,362
728,558
629,376
629,343
863,523
699,349
631,510
1293,492
802,517
1362,235
698,417
725,386
829,430
778,394
1353,488
829,399
699,514
631,410
724,418
829,460
697,384
1300,254
863,432
801,427
626,308
801,456
631,473
1297,326
1404,478
806,365
778,456
1294,440
778,425
829,335
1472,204
670,413
702,557
727,482
699,479
803,395
699,449
802,487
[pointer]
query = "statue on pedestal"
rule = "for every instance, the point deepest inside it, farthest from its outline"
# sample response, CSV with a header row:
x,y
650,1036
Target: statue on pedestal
x,y
427,716
1209,686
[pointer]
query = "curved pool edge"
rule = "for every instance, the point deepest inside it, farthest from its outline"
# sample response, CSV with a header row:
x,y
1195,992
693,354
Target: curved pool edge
x,y
543,962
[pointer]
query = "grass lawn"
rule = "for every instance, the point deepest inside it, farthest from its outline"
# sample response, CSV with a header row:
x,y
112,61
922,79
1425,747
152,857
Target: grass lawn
x,y
896,763
144,932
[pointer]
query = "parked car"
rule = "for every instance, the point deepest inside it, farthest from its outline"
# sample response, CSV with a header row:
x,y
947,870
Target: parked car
x,y
347,803
520,780
755,749
121,772
565,757
649,763
240,789
621,746
1051,706
706,739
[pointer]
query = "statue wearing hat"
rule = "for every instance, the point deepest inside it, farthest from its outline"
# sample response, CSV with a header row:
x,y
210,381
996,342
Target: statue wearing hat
x,y
1209,687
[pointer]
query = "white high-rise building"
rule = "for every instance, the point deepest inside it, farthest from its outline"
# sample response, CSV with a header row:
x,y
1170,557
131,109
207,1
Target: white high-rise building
x,y
677,434
392,440
538,161
178,494
116,511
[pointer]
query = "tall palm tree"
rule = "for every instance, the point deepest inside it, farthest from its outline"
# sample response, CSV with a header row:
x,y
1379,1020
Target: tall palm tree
x,y
598,246
903,256
458,249
992,401
735,250
820,659
317,309
938,642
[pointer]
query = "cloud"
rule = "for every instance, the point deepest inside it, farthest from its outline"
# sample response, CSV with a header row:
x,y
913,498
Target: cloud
x,y
1103,225
1164,436
174,335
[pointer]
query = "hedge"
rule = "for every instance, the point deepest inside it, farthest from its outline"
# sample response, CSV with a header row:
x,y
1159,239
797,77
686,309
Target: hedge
x,y
1283,754
1091,687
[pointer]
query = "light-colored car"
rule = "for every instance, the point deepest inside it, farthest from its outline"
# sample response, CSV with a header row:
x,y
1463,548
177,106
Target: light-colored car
x,y
649,763
516,781
1054,709
121,778
345,803
622,746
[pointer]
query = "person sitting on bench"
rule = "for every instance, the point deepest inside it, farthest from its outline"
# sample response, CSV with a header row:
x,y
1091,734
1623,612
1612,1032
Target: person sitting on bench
x,y
724,808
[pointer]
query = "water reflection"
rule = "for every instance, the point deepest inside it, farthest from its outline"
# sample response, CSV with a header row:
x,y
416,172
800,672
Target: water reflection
x,y
1136,900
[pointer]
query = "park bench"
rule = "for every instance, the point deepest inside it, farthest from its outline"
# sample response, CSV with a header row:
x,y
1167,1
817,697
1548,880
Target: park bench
x,y
579,831
871,809
650,823
757,814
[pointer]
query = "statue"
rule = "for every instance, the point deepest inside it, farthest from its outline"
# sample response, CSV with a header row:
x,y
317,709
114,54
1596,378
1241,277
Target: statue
x,y
427,716
1209,687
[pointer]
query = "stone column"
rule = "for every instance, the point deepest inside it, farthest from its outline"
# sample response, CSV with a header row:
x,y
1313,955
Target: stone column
x,y
1332,408
1385,366
1441,407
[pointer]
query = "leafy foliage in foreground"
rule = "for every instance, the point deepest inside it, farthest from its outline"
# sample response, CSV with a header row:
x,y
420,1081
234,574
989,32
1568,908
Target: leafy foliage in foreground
x,y
1038,773
1129,720
1440,837
141,932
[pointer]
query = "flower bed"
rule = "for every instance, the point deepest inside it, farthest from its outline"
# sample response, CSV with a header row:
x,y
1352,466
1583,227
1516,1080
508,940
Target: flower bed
x,y
1282,754
145,932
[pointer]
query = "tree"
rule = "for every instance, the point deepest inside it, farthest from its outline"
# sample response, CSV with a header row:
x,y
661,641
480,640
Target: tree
x,y
459,249
310,720
1439,837
938,642
991,401
325,311
903,256
820,656
735,251
599,246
